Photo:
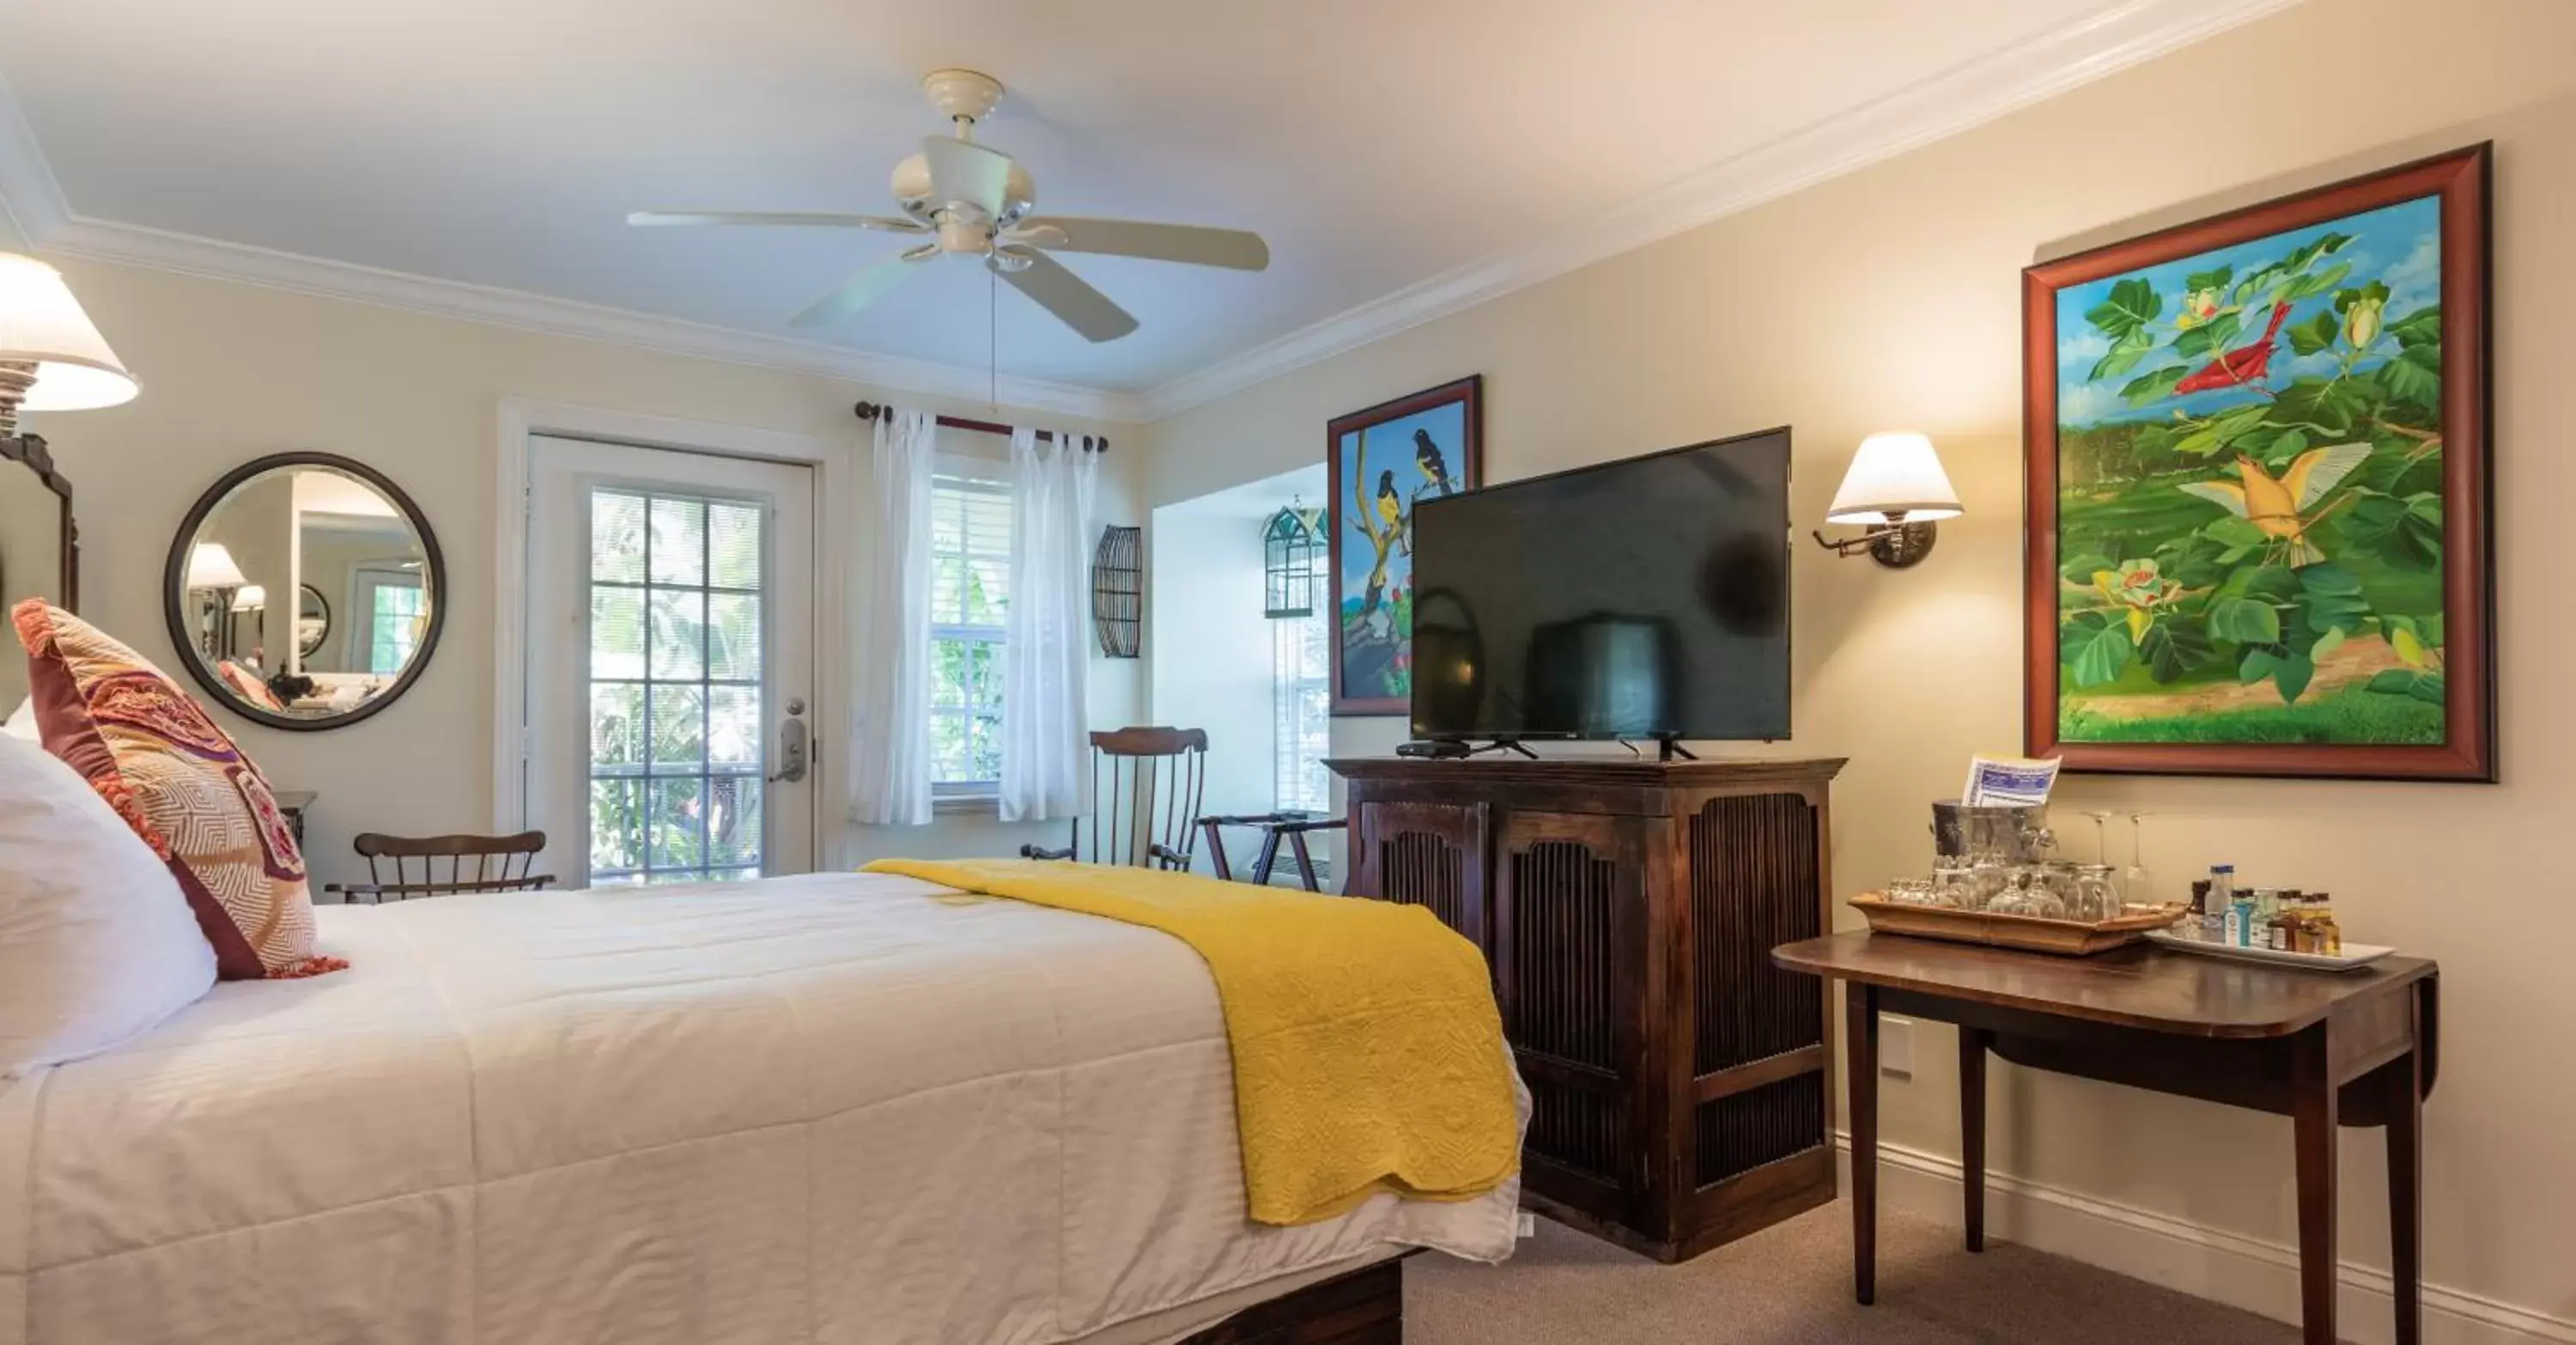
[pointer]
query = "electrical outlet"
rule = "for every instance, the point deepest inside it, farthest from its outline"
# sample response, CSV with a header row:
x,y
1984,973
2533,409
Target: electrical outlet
x,y
1896,1046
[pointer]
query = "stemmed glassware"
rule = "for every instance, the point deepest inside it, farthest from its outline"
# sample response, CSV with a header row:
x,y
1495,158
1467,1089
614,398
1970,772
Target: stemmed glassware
x,y
2136,884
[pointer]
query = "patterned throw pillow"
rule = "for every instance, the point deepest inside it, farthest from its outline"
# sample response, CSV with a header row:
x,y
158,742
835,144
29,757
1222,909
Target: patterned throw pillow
x,y
184,786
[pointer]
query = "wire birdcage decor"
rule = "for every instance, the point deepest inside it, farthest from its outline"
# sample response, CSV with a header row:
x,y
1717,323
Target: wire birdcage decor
x,y
1292,555
1118,590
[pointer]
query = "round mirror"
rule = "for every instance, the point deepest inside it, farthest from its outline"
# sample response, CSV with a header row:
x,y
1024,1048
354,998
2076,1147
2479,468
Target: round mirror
x,y
305,591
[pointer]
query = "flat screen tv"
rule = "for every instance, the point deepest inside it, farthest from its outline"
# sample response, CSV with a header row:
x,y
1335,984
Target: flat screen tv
x,y
1641,599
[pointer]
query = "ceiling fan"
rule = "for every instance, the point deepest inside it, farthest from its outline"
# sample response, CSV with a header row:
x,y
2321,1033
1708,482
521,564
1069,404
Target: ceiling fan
x,y
974,201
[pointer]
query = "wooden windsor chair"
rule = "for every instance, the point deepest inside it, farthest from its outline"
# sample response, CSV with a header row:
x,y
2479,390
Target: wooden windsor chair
x,y
1147,813
473,864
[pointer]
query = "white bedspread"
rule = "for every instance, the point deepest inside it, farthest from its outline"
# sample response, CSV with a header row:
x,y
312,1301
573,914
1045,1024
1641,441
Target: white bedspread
x,y
847,1107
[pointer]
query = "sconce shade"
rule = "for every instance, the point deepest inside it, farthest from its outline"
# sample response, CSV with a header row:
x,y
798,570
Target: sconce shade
x,y
249,597
41,324
1894,476
211,566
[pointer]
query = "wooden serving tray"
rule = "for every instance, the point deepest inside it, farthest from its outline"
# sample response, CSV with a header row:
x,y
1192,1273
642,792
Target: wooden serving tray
x,y
2066,938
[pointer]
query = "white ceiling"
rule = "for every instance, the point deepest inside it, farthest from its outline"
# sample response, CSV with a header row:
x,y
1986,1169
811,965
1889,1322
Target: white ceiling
x,y
1382,146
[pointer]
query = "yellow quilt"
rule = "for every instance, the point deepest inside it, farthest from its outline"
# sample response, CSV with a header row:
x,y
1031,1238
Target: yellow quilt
x,y
1368,1055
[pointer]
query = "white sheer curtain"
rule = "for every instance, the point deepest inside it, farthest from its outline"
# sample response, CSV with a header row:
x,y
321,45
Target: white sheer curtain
x,y
1046,651
889,751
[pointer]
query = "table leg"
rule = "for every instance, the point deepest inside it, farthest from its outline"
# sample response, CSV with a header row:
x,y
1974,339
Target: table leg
x,y
1305,861
1216,850
1860,1028
1269,856
1972,1131
2406,1186
2313,1124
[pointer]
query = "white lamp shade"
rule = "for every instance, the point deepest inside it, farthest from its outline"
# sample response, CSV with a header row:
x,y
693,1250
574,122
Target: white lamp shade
x,y
1894,474
248,597
41,323
211,566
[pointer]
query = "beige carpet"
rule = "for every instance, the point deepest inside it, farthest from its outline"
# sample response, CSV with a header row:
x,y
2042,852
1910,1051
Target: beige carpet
x,y
1792,1283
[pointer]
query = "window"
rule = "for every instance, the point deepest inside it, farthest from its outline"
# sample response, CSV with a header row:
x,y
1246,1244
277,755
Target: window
x,y
393,622
1293,568
677,636
970,550
1302,700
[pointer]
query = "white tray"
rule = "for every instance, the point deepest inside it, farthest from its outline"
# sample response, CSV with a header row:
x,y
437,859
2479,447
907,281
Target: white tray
x,y
2355,955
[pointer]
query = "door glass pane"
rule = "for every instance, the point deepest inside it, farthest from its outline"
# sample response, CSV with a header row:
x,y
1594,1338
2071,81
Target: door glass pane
x,y
678,728
679,633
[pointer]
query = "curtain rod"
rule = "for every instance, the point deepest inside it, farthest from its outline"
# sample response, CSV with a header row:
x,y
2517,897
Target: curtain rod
x,y
874,411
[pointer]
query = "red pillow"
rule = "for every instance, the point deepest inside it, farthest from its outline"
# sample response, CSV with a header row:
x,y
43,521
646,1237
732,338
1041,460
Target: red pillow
x,y
185,787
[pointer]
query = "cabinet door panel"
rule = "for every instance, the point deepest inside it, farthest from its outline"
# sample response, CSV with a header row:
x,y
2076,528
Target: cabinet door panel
x,y
1425,854
1570,961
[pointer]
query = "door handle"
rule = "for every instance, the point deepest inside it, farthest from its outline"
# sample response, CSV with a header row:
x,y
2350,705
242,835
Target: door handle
x,y
793,746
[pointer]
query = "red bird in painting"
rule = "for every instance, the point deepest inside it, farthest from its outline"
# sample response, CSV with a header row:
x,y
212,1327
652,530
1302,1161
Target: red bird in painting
x,y
2238,367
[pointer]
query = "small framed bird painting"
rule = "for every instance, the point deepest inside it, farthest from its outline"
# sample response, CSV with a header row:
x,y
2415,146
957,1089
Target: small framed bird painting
x,y
2258,489
1380,461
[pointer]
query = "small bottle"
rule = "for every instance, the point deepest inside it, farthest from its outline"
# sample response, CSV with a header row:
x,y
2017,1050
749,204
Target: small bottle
x,y
2195,926
2281,932
2329,935
2222,894
2240,922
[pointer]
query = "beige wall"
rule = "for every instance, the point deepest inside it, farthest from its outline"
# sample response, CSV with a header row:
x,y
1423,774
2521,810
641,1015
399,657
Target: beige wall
x,y
232,372
1888,298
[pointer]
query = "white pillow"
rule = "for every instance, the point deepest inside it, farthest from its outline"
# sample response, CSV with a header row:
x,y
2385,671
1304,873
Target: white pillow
x,y
97,944
22,721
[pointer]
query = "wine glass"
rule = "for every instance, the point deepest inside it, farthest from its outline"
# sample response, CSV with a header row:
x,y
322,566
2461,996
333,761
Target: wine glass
x,y
2136,882
2101,834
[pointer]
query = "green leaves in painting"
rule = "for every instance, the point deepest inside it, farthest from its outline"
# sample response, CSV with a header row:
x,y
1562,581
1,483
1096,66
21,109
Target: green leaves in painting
x,y
2172,648
2313,335
2423,686
2126,317
2244,621
2406,532
2094,647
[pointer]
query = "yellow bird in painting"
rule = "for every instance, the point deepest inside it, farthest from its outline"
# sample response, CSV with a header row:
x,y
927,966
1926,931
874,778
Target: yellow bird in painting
x,y
2284,508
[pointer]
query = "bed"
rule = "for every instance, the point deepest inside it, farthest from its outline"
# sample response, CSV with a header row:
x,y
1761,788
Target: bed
x,y
845,1107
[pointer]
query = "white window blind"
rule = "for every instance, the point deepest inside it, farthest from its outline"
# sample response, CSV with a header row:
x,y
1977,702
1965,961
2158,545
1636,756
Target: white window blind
x,y
970,543
1301,699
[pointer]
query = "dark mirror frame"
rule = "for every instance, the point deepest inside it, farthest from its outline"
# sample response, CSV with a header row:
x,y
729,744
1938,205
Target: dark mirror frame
x,y
30,449
183,638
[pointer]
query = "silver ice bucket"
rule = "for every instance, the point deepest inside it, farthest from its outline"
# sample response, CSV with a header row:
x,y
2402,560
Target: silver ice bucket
x,y
2017,832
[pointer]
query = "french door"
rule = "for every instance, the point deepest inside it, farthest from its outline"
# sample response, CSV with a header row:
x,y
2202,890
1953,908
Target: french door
x,y
670,678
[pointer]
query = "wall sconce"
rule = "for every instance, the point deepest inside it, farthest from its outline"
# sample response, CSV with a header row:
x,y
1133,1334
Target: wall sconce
x,y
1895,489
51,358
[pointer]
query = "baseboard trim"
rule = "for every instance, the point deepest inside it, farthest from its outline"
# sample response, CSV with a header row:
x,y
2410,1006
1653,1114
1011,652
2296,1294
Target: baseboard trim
x,y
2256,1274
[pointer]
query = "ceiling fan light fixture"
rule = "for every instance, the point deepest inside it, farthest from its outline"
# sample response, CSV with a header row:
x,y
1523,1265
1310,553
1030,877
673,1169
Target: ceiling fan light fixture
x,y
977,201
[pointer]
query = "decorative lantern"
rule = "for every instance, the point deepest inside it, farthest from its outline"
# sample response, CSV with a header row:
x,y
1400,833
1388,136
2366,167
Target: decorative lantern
x,y
1292,555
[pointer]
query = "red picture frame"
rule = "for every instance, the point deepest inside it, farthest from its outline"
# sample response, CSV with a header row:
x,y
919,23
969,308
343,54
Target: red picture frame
x,y
2460,183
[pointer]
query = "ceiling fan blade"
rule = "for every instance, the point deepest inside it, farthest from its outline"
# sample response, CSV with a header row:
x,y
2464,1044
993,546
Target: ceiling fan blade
x,y
961,170
1236,249
1068,296
649,219
864,288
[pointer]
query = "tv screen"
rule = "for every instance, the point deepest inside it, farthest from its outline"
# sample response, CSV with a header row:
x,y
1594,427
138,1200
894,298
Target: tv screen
x,y
1645,598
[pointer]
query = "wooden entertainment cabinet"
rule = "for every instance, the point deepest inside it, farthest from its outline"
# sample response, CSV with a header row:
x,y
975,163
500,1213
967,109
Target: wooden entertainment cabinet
x,y
1628,908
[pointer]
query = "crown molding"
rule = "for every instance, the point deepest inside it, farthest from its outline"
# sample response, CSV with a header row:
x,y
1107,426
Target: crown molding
x,y
134,245
1943,105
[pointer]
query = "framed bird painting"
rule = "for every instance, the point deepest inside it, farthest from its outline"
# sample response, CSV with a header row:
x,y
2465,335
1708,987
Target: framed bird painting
x,y
2258,489
1380,461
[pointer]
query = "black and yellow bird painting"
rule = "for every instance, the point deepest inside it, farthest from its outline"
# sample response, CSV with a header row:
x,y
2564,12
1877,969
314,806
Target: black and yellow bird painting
x,y
1390,504
1435,469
